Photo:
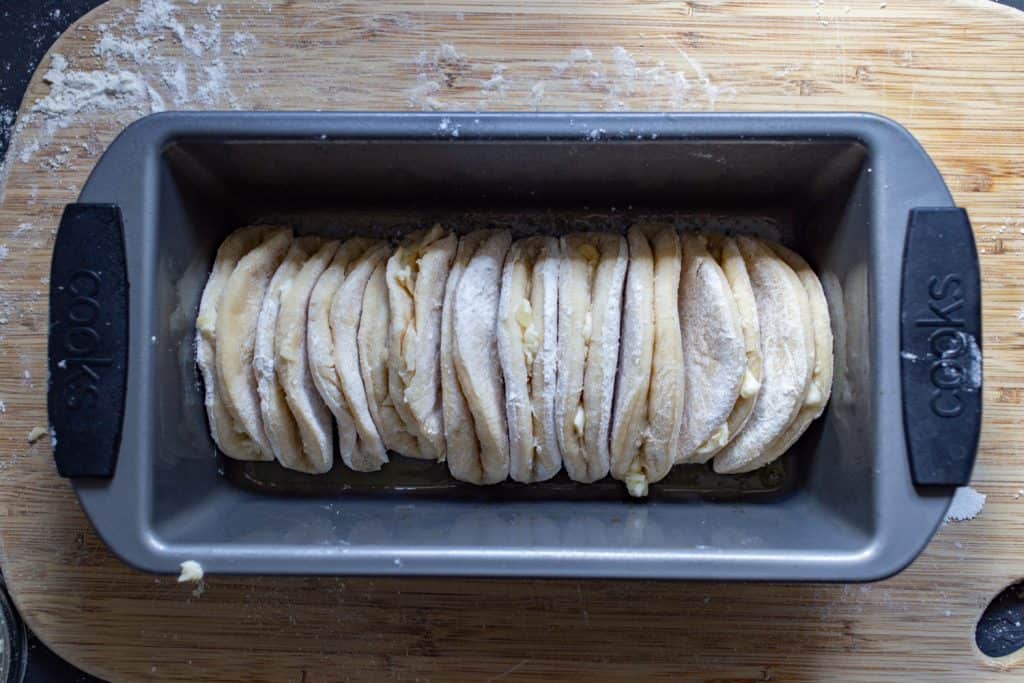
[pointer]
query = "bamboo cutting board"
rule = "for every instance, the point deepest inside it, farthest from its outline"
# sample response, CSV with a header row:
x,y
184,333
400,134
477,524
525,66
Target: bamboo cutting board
x,y
949,71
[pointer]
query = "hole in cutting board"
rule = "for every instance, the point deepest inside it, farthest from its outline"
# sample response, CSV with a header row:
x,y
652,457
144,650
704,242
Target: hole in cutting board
x,y
1000,631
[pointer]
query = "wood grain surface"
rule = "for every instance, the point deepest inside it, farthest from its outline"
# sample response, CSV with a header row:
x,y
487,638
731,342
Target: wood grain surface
x,y
950,71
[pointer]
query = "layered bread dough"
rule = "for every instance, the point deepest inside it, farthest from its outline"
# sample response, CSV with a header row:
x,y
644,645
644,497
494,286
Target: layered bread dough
x,y
649,389
280,426
590,281
230,437
237,315
819,388
373,343
504,358
475,394
528,347
292,364
416,276
719,330
369,453
787,351
324,348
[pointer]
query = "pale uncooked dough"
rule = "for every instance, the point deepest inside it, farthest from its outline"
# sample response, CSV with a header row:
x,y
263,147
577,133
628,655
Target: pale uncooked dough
x,y
590,282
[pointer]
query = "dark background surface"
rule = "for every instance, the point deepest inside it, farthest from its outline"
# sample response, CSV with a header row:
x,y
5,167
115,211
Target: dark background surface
x,y
27,29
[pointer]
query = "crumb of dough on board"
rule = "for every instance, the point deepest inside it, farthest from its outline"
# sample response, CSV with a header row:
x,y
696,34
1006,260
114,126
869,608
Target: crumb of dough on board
x,y
190,571
36,434
967,504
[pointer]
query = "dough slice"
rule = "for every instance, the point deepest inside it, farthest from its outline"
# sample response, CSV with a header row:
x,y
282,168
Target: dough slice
x,y
372,341
320,346
237,316
346,311
474,319
649,389
281,429
716,354
461,445
728,255
416,276
528,350
590,281
820,387
292,365
230,438
787,356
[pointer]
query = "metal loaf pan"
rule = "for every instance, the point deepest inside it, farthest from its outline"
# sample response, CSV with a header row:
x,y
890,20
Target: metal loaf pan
x,y
857,498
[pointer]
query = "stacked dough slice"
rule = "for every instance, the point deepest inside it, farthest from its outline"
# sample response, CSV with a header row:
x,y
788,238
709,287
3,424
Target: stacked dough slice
x,y
596,352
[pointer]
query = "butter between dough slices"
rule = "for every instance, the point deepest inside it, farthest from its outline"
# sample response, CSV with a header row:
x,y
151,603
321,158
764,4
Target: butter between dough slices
x,y
649,391
527,348
591,276
416,277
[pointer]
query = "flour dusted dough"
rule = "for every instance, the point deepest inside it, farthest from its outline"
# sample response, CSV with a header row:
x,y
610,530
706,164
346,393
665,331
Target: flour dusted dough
x,y
787,356
474,356
346,312
237,316
279,424
230,438
416,277
292,365
649,390
321,342
728,255
372,341
716,355
820,387
590,280
528,348
461,445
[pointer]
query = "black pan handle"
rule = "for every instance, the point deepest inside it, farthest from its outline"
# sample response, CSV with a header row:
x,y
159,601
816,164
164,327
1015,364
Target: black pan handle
x,y
88,340
940,346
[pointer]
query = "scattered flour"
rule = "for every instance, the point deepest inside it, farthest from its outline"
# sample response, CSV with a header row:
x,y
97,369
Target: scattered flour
x,y
3,407
966,504
3,252
1020,313
72,92
195,74
616,78
497,83
537,94
438,68
973,368
242,43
